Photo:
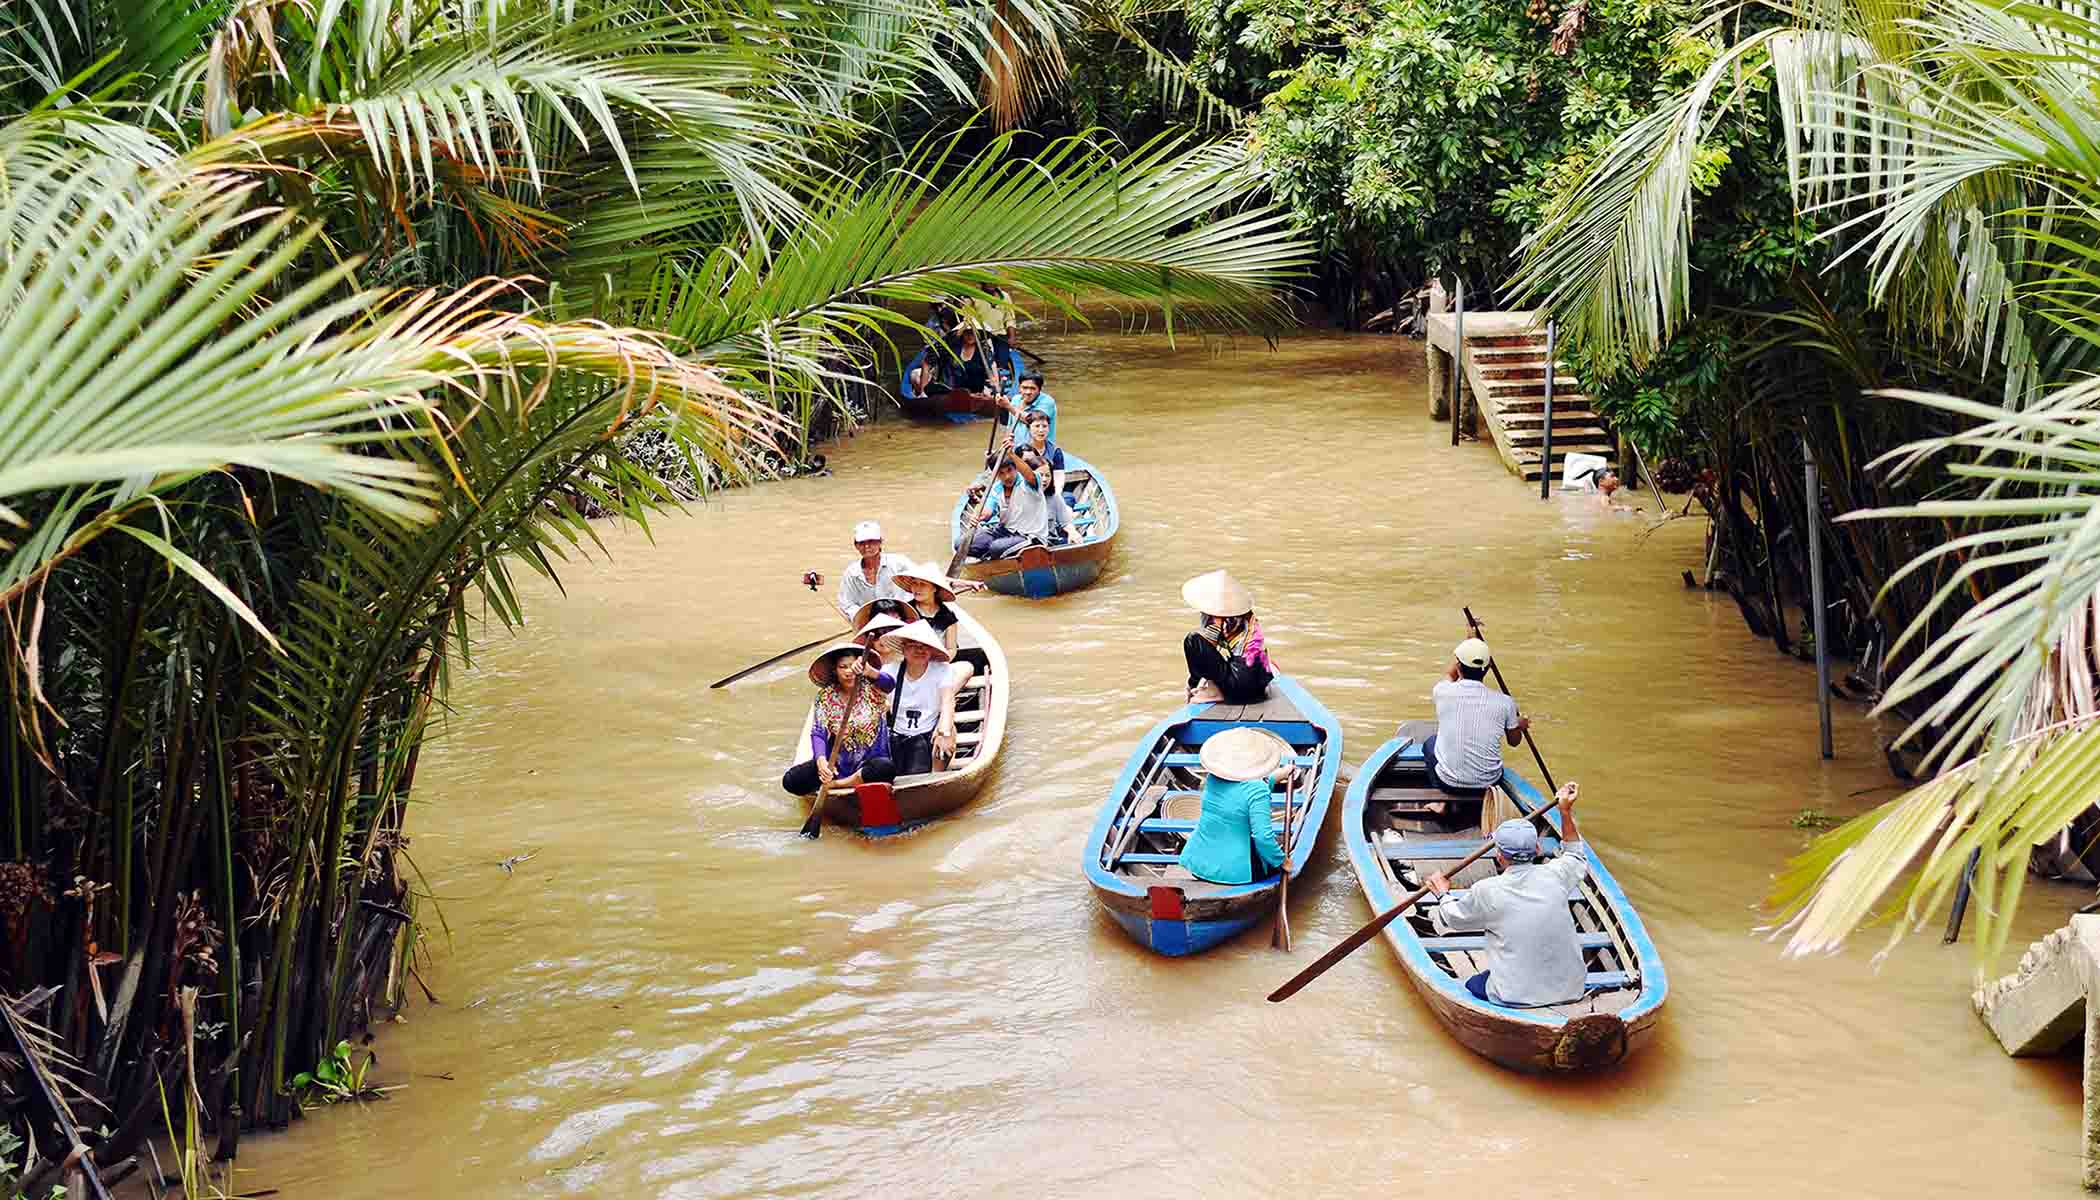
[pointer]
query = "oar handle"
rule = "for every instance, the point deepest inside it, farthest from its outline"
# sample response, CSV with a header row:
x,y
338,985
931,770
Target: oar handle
x,y
1350,944
1473,624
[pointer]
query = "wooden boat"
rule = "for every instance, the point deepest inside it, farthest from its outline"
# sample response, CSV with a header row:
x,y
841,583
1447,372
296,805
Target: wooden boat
x,y
1396,841
1041,571
883,810
956,406
1131,855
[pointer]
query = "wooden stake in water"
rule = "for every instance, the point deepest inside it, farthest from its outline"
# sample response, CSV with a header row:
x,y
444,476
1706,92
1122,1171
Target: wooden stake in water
x,y
1458,358
1546,448
1815,587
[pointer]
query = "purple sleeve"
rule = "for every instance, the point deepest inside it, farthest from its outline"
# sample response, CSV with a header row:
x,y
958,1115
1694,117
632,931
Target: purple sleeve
x,y
885,681
819,740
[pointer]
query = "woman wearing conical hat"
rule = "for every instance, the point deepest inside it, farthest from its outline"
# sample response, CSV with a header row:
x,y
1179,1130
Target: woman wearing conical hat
x,y
922,716
930,593
1228,659
857,716
1235,829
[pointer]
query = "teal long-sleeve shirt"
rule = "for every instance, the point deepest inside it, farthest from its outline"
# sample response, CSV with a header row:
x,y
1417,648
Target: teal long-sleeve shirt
x,y
1235,818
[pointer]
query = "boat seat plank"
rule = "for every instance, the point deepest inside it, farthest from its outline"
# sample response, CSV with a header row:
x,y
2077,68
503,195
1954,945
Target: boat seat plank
x,y
1463,942
1196,760
1434,849
1134,856
1609,979
1165,825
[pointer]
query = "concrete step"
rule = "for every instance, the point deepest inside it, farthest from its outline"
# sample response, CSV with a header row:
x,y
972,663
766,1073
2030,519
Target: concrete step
x,y
1564,415
1505,340
1531,398
1579,438
1507,354
1522,371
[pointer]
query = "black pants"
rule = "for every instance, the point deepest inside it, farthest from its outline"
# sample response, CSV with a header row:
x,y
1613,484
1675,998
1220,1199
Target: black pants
x,y
912,753
802,778
1473,797
1241,682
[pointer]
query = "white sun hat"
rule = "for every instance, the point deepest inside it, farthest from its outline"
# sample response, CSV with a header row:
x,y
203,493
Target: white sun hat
x,y
919,632
1243,752
868,531
1218,594
1472,653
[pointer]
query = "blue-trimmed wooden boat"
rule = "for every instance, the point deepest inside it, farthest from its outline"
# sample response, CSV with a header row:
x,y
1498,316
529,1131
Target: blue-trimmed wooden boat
x,y
1042,571
887,809
958,408
1397,839
1132,854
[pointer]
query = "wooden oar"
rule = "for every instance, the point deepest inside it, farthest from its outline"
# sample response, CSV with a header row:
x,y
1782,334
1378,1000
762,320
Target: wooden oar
x,y
814,827
1540,759
810,580
1282,936
1349,945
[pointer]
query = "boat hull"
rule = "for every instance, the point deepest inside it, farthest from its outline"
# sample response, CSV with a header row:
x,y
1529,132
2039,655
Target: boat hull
x,y
1040,572
920,799
1555,1039
958,408
1160,906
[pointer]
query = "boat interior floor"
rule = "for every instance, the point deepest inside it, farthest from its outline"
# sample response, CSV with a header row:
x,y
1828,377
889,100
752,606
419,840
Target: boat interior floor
x,y
1415,840
1156,824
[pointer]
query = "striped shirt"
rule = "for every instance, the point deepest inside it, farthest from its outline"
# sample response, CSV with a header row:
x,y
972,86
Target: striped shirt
x,y
1471,719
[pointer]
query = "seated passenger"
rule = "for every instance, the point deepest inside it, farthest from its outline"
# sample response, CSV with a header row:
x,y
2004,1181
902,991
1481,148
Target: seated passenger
x,y
864,733
930,593
1052,475
922,718
1235,828
1228,657
1464,756
1014,514
875,626
956,364
1029,399
1534,954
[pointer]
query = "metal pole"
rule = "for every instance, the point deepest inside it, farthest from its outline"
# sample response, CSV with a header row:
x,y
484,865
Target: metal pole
x,y
1815,587
1458,358
1546,450
1961,900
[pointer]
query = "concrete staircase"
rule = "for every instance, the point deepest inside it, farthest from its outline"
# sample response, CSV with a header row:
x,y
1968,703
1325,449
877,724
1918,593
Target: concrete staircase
x,y
1505,381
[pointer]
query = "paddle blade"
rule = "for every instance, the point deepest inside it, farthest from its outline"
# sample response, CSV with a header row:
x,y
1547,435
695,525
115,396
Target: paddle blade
x,y
814,827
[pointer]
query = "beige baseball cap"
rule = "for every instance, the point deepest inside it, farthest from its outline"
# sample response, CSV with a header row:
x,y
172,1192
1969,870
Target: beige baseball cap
x,y
1472,653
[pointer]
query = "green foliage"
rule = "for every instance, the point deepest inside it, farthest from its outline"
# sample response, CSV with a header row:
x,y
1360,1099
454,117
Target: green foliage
x,y
447,261
339,1077
1426,136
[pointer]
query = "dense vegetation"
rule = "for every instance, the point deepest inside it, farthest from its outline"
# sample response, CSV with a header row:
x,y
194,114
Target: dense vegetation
x,y
1850,233
320,321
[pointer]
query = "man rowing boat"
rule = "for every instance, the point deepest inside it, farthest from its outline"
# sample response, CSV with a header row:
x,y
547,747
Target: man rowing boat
x,y
1534,955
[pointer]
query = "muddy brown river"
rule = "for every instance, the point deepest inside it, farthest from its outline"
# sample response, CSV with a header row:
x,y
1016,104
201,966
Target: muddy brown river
x,y
676,997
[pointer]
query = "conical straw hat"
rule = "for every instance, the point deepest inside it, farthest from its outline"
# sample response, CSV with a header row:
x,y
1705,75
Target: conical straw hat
x,y
820,667
1218,594
883,604
879,626
943,586
920,632
1242,753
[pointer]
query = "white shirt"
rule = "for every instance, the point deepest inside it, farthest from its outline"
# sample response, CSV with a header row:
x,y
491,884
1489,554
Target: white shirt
x,y
1029,514
1533,956
919,700
1471,719
855,590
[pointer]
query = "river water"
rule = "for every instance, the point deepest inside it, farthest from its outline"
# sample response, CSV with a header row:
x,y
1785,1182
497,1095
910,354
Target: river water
x,y
676,997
